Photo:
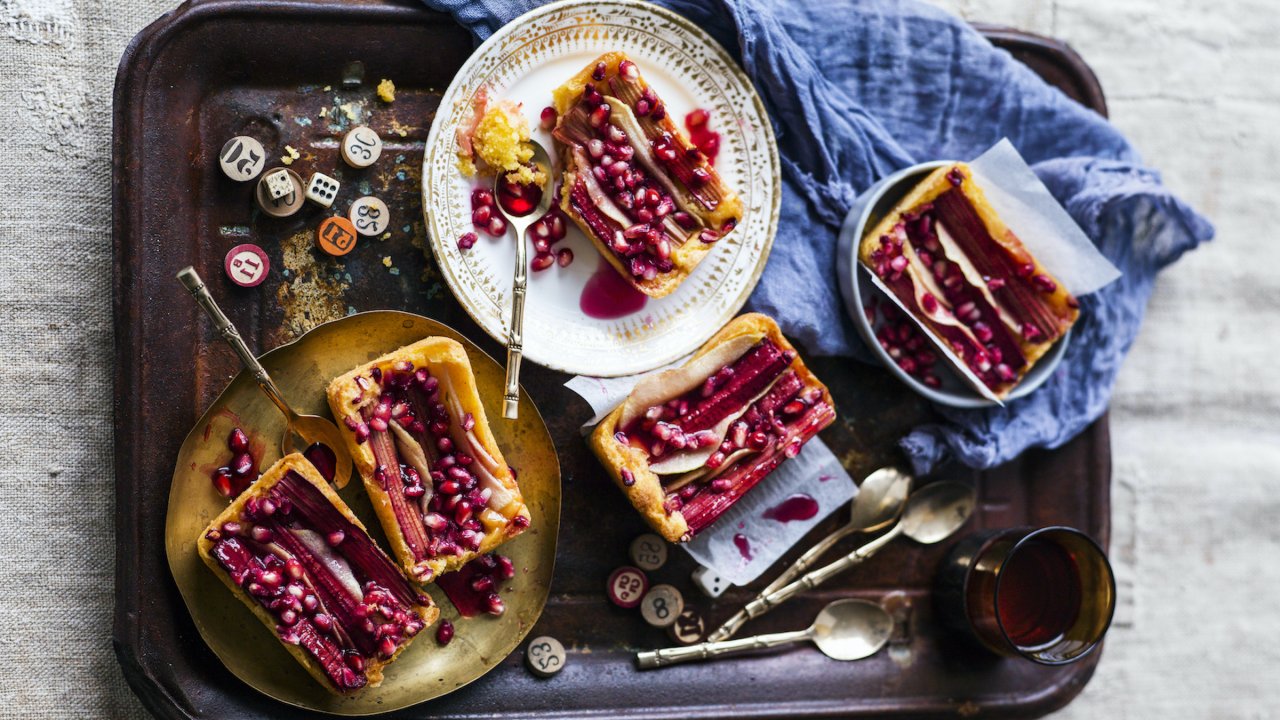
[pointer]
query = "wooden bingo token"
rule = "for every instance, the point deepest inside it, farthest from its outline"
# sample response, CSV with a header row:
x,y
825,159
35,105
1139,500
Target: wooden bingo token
x,y
242,158
545,656
370,216
247,265
336,236
285,205
689,627
649,552
661,605
361,147
627,586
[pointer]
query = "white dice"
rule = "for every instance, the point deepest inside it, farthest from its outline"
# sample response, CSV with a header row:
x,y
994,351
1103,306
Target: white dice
x,y
322,189
361,147
370,216
661,605
278,183
242,158
649,552
285,205
545,656
709,582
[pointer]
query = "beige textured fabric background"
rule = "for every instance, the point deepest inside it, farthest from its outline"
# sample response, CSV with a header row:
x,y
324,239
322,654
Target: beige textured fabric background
x,y
1196,418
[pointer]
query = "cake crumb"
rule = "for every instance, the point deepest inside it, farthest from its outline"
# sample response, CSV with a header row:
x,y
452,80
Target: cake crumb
x,y
386,261
327,88
385,236
349,110
324,112
387,91
290,155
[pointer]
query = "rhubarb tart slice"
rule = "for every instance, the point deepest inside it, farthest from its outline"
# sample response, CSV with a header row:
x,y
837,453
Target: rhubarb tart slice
x,y
649,199
949,260
297,556
418,434
689,442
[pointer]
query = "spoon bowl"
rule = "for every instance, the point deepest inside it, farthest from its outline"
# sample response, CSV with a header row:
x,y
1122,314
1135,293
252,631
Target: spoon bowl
x,y
880,500
937,510
851,629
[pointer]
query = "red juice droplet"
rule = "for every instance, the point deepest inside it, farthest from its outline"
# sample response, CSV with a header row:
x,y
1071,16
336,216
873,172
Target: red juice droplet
x,y
607,295
796,507
744,546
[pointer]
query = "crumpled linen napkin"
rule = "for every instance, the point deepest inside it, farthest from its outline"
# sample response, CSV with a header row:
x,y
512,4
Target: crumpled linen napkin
x,y
858,89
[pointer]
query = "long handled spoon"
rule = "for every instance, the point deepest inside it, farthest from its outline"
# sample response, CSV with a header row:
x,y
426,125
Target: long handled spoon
x,y
310,428
844,630
932,514
879,501
521,223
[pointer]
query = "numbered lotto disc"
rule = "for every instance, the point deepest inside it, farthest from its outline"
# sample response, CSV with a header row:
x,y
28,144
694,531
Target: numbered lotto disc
x,y
627,586
689,627
661,605
247,265
370,216
545,656
242,158
361,147
336,236
649,552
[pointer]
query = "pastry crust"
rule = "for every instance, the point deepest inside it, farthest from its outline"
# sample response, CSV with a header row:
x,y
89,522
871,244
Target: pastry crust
x,y
937,183
444,357
686,256
297,463
646,493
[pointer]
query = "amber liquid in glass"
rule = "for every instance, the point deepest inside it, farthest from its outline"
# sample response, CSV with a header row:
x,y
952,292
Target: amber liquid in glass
x,y
1040,594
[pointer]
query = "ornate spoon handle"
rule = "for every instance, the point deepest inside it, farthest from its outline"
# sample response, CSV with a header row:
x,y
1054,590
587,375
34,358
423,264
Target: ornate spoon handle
x,y
703,651
191,279
735,623
515,340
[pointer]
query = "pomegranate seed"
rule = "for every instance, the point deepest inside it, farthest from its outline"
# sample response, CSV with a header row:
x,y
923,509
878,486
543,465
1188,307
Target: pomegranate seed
x,y
564,257
238,442
541,246
618,169
595,148
597,74
1044,283
795,407
965,309
1026,269
222,482
1030,332
494,604
242,464
898,264
497,226
480,216
684,220
931,380
615,134
721,485
541,262
481,197
628,71
659,111
378,424
444,632
982,331
599,116
1072,302
700,177
643,107
929,303
262,534
995,283
627,478
1005,373
335,538
708,236
387,647
548,118
558,228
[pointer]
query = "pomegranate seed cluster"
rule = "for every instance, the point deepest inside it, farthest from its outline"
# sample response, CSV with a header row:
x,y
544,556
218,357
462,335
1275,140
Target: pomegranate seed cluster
x,y
240,471
544,233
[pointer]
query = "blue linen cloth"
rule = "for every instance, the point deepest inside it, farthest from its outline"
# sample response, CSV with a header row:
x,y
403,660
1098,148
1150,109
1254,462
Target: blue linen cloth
x,y
857,90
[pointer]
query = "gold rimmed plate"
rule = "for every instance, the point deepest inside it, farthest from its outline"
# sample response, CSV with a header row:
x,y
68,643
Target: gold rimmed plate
x,y
523,62
303,369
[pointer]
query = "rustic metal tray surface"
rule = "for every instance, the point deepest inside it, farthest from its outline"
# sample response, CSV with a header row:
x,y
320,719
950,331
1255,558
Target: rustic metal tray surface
x,y
213,68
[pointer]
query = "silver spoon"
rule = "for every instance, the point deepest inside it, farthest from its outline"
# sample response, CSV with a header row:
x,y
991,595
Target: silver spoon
x,y
932,514
521,223
879,502
311,428
844,630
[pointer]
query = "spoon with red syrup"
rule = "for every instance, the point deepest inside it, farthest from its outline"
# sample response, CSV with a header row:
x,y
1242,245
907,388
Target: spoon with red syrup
x,y
521,205
879,502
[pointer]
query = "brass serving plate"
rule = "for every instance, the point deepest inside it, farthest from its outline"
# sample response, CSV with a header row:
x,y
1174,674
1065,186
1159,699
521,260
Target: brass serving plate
x,y
303,369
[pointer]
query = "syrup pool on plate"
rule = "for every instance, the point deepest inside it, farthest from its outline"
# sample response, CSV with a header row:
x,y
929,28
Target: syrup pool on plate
x,y
607,295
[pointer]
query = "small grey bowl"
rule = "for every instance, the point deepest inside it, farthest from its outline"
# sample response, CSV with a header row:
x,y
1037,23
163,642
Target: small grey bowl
x,y
867,210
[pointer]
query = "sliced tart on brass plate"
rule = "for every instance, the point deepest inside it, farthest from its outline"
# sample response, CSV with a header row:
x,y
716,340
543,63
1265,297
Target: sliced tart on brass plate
x,y
418,435
649,200
292,551
950,261
687,443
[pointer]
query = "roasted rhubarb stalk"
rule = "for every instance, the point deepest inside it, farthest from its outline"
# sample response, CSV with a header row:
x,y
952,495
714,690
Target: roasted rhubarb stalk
x,y
968,280
418,434
689,442
651,202
297,556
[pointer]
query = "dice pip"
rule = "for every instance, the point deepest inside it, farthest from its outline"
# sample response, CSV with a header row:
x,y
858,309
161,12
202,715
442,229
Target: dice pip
x,y
322,189
709,582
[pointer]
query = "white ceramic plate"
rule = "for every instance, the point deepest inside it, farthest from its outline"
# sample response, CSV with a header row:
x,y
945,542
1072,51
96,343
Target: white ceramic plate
x,y
523,62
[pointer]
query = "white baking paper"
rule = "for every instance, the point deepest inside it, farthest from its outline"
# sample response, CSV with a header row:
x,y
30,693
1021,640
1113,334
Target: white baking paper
x,y
1039,221
815,472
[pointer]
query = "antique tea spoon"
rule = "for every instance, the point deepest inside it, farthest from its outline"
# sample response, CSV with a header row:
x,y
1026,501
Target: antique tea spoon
x,y
879,502
844,630
311,428
932,514
520,223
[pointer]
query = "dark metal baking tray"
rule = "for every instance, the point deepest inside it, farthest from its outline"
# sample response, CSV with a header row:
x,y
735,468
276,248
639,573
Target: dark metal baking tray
x,y
211,69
